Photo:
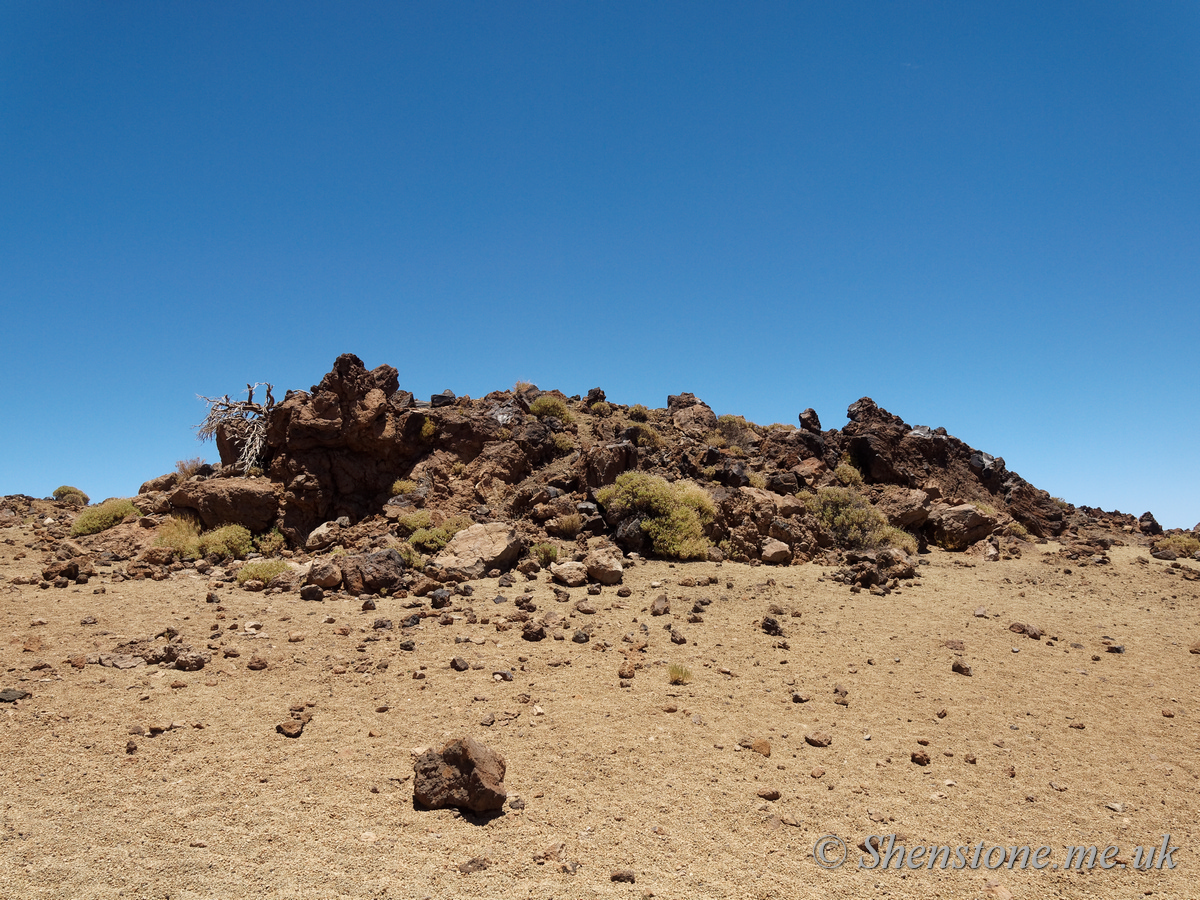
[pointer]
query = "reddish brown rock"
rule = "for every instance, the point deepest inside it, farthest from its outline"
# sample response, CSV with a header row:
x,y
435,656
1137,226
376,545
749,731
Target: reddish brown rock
x,y
250,502
818,739
465,773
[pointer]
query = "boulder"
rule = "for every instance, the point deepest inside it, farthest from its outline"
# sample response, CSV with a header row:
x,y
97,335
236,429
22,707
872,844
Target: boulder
x,y
369,573
161,483
776,553
695,421
572,574
604,565
324,535
465,773
477,550
809,420
1149,524
904,507
957,527
602,464
324,574
250,502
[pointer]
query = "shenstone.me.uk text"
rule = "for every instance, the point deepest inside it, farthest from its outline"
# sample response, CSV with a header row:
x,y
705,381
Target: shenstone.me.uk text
x,y
880,851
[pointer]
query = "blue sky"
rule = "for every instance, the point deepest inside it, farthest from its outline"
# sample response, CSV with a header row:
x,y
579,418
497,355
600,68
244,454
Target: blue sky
x,y
984,216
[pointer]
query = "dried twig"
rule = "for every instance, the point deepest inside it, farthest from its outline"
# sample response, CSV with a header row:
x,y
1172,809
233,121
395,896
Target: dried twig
x,y
251,415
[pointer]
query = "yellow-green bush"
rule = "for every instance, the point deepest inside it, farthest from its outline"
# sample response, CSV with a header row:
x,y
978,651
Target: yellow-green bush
x,y
180,533
261,570
430,540
428,429
853,523
674,515
549,405
105,516
402,487
563,444
1017,530
639,413
601,408
269,543
848,475
411,557
568,526
1179,544
891,536
72,495
644,436
228,541
413,521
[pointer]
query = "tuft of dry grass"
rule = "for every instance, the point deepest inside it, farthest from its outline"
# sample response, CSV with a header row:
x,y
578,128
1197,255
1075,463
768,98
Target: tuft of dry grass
x,y
678,674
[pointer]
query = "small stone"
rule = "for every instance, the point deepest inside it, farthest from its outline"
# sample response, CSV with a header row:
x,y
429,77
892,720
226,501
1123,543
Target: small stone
x,y
368,605
130,746
817,772
473,865
920,757
625,876
661,606
1115,807
981,612
580,636
1115,648
11,695
625,669
941,713
295,637
818,739
256,664
1168,714
677,636
178,685
970,758
458,664
769,794
961,668
292,728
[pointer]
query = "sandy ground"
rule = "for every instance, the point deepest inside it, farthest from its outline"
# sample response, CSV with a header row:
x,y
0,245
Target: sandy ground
x,y
648,778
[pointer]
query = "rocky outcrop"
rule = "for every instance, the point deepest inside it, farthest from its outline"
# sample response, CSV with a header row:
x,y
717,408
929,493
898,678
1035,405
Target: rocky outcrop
x,y
250,502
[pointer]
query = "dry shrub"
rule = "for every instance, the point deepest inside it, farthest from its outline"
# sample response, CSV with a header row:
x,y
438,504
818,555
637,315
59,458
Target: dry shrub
x,y
186,468
271,542
261,570
1179,544
639,413
678,674
568,526
544,553
180,533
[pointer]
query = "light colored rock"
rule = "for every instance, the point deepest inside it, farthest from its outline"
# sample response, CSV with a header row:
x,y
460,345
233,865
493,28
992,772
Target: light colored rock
x,y
572,574
250,502
604,565
324,535
776,553
477,550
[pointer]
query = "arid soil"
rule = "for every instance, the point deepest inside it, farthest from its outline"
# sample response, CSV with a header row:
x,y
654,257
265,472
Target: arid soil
x,y
601,778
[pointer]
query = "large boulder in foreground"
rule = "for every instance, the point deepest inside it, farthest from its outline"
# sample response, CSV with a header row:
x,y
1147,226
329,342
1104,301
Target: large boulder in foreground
x,y
477,550
465,773
250,502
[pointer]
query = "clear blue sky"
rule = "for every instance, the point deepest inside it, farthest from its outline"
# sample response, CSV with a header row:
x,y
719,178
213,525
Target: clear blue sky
x,y
984,216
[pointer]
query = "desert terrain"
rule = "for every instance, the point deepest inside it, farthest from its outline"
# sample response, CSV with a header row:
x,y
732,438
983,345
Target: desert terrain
x,y
687,656
648,778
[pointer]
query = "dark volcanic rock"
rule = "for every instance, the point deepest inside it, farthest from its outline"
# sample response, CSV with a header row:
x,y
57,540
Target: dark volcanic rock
x,y
465,773
370,573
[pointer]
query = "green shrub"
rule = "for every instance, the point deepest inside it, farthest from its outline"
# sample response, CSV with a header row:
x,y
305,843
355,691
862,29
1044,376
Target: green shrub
x,y
455,524
848,475
758,480
549,405
186,468
428,429
639,413
430,540
736,431
986,508
70,495
458,468
228,541
1179,544
602,409
853,523
674,515
402,487
411,557
105,516
644,436
261,570
271,542
1060,503
181,533
414,520
563,444
544,553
